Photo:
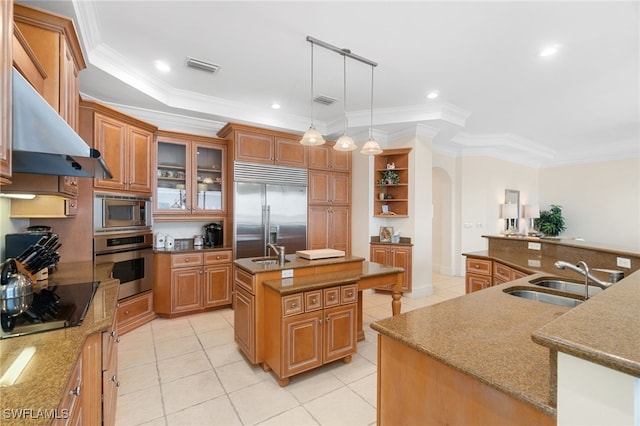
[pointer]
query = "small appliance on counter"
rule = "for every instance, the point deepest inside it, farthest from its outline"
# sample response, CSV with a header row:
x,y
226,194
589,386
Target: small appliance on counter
x,y
16,294
35,249
169,242
213,234
159,240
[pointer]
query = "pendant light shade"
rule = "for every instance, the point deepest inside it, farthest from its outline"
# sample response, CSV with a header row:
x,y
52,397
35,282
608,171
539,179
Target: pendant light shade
x,y
312,137
344,142
371,147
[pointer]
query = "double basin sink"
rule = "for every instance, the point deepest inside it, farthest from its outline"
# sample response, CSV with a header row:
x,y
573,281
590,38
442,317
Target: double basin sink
x,y
554,291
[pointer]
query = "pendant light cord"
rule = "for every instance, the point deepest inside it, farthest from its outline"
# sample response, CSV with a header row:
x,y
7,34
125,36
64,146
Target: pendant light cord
x,y
371,127
344,87
311,96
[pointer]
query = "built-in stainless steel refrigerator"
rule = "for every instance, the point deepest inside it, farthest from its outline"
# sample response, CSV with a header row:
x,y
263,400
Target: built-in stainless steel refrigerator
x,y
270,206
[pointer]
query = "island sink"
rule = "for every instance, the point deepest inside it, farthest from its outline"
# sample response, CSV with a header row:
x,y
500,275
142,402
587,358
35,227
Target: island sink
x,y
566,286
540,296
267,260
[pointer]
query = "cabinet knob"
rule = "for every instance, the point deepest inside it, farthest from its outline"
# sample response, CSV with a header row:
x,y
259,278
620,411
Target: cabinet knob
x,y
293,305
126,312
314,300
117,306
327,319
320,320
477,266
350,294
75,391
333,297
217,257
187,260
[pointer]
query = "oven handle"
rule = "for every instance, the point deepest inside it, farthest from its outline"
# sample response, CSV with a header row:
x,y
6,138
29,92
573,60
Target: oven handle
x,y
119,256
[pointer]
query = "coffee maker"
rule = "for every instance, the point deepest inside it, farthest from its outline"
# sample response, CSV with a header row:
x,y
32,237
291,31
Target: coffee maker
x,y
213,234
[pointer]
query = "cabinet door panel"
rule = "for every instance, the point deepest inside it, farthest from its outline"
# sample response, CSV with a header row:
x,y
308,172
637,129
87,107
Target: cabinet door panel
x,y
216,285
187,289
402,258
477,282
319,189
340,189
339,229
289,152
254,147
318,227
140,143
304,342
110,137
339,332
243,320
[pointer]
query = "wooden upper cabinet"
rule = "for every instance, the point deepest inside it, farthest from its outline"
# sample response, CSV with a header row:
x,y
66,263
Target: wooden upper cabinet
x,y
324,157
125,143
54,42
6,41
329,188
254,145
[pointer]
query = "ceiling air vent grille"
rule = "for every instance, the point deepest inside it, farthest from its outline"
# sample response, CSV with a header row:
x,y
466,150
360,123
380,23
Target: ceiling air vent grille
x,y
325,100
202,65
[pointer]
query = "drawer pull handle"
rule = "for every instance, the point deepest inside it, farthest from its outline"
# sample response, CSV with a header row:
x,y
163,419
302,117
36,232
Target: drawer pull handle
x,y
113,333
293,305
117,340
75,391
314,300
333,297
350,294
217,257
187,259
126,312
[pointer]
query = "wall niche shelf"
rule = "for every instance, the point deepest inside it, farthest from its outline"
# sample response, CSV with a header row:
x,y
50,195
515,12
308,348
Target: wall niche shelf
x,y
391,183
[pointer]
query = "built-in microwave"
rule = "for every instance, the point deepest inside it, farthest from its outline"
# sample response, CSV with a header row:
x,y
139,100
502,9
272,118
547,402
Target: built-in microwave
x,y
120,212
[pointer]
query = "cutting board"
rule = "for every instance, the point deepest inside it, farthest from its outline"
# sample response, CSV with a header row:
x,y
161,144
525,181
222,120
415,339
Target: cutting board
x,y
319,254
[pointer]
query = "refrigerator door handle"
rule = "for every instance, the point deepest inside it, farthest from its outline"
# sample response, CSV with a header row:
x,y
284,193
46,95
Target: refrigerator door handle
x,y
266,222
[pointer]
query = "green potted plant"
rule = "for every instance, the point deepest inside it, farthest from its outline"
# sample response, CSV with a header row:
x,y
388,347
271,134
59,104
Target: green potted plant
x,y
551,221
390,177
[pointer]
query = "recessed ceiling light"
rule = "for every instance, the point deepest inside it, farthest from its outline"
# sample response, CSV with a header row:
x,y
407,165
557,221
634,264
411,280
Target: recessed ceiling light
x,y
162,66
433,94
275,105
549,50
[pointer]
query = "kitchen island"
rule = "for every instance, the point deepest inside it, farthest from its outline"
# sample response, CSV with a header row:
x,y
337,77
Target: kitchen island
x,y
250,276
491,358
38,394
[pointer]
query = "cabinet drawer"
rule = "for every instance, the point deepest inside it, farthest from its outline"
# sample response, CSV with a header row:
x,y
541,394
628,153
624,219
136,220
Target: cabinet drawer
x,y
349,294
130,309
187,259
244,280
501,272
313,300
292,305
479,266
331,296
517,274
217,257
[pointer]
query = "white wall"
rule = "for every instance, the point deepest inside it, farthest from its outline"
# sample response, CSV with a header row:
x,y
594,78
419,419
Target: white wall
x,y
600,201
482,184
9,226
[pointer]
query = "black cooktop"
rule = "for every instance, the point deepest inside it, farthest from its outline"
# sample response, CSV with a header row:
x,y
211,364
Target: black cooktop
x,y
53,308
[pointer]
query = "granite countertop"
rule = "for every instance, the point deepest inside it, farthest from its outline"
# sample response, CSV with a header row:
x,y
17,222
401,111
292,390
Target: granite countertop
x,y
486,334
293,262
312,282
41,385
189,248
571,242
604,330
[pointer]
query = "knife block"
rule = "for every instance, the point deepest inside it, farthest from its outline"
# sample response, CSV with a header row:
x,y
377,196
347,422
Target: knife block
x,y
23,271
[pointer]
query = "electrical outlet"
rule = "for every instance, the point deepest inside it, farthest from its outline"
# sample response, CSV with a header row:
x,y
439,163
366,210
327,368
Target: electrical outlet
x,y
534,246
533,263
287,273
623,262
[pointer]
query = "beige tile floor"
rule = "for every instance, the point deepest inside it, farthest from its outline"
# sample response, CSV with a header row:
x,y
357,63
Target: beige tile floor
x,y
188,371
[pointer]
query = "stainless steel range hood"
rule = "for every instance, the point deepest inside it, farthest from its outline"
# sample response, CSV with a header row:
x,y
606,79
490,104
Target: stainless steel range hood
x,y
43,143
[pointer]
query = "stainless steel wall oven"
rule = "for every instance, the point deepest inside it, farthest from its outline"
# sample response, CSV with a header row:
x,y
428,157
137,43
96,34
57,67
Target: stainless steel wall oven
x,y
132,258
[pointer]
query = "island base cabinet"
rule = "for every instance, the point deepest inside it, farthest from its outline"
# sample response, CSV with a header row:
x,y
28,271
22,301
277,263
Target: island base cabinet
x,y
244,331
415,389
308,329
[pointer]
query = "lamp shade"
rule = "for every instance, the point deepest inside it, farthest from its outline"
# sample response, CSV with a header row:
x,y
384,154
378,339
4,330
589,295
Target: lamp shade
x,y
312,137
532,211
371,147
345,143
509,211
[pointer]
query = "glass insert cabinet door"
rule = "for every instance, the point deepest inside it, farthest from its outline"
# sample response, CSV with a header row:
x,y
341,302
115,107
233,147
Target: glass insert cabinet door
x,y
189,178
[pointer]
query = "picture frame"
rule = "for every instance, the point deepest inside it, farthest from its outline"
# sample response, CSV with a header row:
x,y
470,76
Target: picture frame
x,y
386,232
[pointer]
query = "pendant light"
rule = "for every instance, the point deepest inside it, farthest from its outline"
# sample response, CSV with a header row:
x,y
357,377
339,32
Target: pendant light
x,y
344,142
312,137
371,147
